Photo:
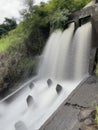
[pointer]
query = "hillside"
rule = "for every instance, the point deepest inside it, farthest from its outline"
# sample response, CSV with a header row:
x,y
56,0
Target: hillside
x,y
21,47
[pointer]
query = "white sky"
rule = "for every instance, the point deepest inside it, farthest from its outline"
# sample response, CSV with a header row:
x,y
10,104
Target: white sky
x,y
10,8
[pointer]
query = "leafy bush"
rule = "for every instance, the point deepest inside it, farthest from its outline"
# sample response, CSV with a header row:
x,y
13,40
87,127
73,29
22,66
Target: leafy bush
x,y
13,38
8,25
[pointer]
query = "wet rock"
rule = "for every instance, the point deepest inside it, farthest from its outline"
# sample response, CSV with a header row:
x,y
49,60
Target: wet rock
x,y
31,85
84,114
58,88
49,82
20,126
29,100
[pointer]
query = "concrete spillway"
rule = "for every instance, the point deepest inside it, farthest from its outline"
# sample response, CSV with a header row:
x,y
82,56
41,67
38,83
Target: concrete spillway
x,y
63,65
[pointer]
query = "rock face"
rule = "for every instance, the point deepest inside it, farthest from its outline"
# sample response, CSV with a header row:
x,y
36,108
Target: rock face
x,y
49,82
29,100
58,88
20,126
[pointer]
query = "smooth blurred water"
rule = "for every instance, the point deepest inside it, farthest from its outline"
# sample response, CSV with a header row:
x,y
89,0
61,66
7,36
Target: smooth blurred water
x,y
66,57
65,62
55,56
82,44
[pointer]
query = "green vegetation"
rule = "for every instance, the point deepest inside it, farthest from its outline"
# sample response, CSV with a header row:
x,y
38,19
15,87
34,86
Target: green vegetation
x,y
13,38
7,25
19,47
39,21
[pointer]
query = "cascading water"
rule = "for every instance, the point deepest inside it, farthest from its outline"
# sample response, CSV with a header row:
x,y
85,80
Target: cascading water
x,y
64,59
64,64
53,63
82,50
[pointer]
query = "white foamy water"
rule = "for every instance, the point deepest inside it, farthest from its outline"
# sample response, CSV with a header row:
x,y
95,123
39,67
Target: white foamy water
x,y
82,45
65,62
46,101
53,63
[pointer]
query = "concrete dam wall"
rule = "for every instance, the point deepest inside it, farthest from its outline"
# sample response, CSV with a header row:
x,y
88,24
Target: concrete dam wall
x,y
81,17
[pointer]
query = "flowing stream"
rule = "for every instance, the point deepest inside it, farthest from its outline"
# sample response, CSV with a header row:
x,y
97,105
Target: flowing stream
x,y
63,65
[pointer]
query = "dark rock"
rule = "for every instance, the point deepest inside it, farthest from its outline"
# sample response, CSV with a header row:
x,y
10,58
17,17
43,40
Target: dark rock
x,y
20,126
49,82
84,114
58,88
31,85
29,100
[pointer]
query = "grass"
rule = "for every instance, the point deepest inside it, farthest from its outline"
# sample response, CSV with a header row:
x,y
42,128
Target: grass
x,y
13,38
4,44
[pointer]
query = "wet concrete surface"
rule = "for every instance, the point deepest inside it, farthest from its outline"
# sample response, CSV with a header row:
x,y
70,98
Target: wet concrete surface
x,y
66,117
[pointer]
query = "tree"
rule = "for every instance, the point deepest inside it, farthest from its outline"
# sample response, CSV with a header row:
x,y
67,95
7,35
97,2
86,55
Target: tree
x,y
7,25
28,10
41,20
10,23
58,19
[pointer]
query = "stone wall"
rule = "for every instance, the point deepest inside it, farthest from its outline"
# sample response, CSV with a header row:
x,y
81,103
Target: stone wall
x,y
85,12
82,17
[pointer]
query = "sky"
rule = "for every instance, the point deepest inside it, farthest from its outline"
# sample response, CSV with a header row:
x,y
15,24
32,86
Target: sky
x,y
11,8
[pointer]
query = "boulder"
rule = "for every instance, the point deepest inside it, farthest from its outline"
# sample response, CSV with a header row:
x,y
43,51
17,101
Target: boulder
x,y
29,100
58,88
20,126
49,82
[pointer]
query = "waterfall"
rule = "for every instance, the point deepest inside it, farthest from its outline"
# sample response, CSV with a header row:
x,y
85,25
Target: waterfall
x,y
63,65
66,57
82,42
54,58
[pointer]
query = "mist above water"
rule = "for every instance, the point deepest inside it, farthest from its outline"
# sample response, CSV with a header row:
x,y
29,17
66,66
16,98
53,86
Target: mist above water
x,y
64,64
